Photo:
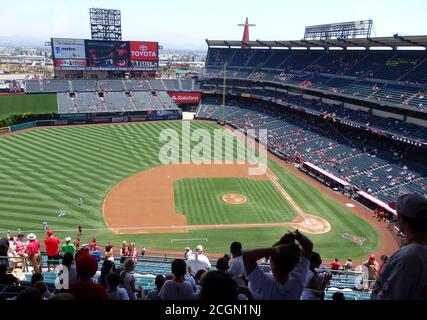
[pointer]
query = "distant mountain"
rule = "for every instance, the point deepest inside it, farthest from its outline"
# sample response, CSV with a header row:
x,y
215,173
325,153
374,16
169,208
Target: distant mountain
x,y
22,41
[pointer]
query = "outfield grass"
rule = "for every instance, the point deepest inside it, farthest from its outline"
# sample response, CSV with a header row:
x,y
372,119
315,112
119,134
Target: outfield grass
x,y
200,200
23,104
46,170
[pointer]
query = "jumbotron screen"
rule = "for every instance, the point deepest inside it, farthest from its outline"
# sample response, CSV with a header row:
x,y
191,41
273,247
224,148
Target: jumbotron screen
x,y
99,55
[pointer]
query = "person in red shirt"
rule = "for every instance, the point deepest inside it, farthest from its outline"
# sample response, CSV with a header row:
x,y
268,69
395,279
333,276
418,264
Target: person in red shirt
x,y
376,213
92,244
85,289
335,265
33,252
52,247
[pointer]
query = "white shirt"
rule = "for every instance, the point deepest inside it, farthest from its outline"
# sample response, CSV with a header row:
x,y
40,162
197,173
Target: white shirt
x,y
404,275
198,262
237,269
173,290
126,285
119,294
309,294
266,287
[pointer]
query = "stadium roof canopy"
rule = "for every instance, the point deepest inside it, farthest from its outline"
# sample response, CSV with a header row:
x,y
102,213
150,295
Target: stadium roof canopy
x,y
390,42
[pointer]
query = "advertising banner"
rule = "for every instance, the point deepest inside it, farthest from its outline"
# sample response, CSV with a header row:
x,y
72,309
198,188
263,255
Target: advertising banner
x,y
69,49
186,97
144,51
66,63
143,65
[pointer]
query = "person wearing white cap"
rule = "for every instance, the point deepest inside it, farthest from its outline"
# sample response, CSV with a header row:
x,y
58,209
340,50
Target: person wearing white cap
x,y
404,275
68,246
198,261
33,252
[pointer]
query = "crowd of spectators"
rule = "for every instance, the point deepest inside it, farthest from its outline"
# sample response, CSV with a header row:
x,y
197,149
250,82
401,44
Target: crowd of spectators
x,y
295,270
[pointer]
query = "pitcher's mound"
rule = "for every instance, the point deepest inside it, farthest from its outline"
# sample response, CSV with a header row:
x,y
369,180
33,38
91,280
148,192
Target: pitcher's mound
x,y
234,199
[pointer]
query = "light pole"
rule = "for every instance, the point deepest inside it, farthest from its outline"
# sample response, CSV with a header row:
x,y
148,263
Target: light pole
x,y
224,94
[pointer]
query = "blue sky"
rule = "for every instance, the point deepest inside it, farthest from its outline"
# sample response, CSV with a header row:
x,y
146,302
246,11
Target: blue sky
x,y
189,22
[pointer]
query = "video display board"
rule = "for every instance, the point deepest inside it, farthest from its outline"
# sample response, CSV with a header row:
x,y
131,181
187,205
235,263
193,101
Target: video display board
x,y
107,55
100,55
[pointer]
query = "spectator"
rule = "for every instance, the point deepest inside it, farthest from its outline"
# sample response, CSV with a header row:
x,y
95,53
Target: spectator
x,y
33,252
68,246
85,289
92,244
383,260
68,262
96,253
178,288
143,251
128,281
404,275
198,261
76,243
107,268
124,252
52,247
371,266
109,255
154,294
42,287
11,253
133,254
115,293
335,265
5,278
187,253
36,277
199,276
222,265
4,248
237,268
348,266
21,246
316,282
289,265
217,287
338,296
29,295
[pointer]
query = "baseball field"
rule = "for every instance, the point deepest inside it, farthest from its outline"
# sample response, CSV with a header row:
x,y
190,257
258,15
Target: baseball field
x,y
129,195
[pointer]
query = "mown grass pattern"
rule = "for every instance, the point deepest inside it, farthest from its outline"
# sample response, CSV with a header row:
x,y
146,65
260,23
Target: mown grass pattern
x,y
46,170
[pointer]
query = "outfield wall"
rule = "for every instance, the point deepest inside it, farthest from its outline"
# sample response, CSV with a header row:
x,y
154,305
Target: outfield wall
x,y
160,115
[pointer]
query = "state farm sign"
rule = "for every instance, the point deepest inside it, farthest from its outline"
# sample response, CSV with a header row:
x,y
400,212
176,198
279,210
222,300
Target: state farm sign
x,y
143,51
186,97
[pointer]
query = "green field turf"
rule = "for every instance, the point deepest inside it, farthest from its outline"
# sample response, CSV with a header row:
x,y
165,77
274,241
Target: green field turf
x,y
22,104
47,170
200,200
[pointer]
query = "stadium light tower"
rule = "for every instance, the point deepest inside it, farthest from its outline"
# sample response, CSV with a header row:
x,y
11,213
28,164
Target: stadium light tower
x,y
105,24
246,30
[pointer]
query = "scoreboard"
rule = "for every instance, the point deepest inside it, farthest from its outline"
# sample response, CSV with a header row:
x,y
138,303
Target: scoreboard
x,y
103,55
